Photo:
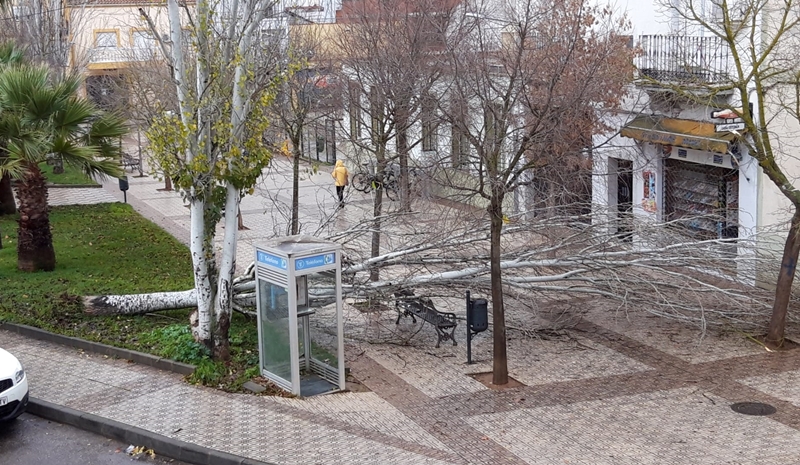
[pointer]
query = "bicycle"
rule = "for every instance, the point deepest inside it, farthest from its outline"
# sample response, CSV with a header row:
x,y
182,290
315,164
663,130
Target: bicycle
x,y
366,181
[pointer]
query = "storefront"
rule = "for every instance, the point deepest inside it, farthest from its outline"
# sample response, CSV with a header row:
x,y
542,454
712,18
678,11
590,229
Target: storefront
x,y
704,199
694,179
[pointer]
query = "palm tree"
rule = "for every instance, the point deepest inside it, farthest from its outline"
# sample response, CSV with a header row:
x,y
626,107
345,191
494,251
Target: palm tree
x,y
9,55
40,117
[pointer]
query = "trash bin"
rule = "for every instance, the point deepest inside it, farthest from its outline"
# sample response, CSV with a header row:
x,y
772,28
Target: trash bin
x,y
479,315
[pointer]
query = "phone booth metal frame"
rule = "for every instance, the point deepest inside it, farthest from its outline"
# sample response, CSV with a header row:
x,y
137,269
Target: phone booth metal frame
x,y
282,294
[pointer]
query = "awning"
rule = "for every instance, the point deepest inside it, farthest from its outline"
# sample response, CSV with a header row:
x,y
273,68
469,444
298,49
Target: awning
x,y
678,132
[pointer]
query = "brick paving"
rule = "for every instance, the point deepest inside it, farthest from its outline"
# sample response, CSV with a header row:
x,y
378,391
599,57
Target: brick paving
x,y
612,389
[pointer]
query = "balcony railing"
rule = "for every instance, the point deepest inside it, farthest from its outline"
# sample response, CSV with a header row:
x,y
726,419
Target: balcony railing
x,y
684,59
121,54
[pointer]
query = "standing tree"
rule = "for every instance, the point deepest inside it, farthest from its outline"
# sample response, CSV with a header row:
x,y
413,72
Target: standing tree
x,y
41,117
390,53
528,82
305,98
214,149
761,38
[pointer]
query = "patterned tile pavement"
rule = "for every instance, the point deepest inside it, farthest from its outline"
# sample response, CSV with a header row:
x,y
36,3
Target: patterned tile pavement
x,y
617,388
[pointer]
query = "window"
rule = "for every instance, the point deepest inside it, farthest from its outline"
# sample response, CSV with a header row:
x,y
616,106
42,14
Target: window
x,y
142,40
354,110
330,134
143,44
105,39
429,126
494,123
376,112
187,39
460,149
495,127
459,139
737,10
20,12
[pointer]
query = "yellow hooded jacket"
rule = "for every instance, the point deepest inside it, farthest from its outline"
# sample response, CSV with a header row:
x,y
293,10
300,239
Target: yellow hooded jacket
x,y
340,174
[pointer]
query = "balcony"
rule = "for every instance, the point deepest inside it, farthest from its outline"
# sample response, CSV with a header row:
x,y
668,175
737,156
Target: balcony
x,y
99,55
684,60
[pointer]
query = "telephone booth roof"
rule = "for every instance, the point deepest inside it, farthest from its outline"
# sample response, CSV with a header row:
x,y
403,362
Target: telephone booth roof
x,y
300,244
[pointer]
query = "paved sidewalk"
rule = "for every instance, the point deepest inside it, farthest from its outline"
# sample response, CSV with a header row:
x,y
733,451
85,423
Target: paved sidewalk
x,y
615,389
613,392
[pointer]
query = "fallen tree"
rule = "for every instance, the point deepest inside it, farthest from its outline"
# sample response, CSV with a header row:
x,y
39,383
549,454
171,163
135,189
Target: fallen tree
x,y
546,260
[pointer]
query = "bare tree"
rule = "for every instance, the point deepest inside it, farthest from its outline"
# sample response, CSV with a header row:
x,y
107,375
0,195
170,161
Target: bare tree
x,y
546,262
390,54
760,38
308,95
39,28
527,79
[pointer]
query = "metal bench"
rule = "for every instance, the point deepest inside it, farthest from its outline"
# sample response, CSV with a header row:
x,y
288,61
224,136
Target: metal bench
x,y
128,161
407,304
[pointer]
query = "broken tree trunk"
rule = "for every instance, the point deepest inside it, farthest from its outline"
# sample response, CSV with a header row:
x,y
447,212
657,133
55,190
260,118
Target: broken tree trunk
x,y
137,304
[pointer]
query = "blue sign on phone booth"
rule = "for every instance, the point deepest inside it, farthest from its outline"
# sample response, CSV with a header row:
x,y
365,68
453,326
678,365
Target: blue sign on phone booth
x,y
288,356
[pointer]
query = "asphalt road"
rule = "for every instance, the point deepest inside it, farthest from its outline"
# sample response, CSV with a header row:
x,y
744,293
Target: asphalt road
x,y
30,440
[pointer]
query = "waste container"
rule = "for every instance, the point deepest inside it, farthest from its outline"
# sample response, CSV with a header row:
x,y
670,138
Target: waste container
x,y
479,315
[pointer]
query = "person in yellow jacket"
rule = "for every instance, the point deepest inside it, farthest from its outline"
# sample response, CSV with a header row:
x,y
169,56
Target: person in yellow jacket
x,y
340,176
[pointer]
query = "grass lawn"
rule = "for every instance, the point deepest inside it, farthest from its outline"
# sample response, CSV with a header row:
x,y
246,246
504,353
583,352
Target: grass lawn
x,y
111,249
70,176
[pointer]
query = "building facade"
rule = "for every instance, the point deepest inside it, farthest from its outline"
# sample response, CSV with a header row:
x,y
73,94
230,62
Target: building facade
x,y
681,155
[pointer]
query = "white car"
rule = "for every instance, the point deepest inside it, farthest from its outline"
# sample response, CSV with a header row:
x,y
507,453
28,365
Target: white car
x,y
13,387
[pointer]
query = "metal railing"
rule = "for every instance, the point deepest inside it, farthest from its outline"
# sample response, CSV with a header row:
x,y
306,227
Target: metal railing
x,y
121,54
684,59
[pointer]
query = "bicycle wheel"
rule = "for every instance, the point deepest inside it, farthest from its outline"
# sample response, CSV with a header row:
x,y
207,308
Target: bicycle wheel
x,y
362,182
391,190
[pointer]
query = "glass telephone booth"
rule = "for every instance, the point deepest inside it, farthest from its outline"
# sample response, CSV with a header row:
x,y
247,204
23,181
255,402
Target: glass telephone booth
x,y
288,354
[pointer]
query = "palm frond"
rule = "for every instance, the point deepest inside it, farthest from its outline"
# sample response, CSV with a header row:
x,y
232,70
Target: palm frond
x,y
14,167
107,126
40,117
71,152
73,115
69,86
31,148
102,168
9,52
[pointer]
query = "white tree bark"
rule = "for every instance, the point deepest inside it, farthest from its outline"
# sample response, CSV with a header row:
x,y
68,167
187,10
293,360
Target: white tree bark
x,y
224,299
137,304
547,261
202,258
202,277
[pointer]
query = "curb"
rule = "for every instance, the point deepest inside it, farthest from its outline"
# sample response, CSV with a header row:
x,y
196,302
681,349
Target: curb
x,y
73,186
102,349
162,445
